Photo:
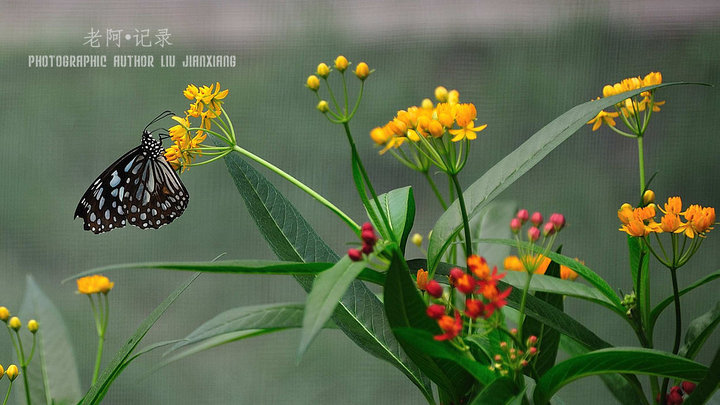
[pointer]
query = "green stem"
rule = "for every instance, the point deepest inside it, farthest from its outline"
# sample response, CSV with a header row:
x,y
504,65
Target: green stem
x,y
521,318
98,359
368,184
678,326
463,211
435,190
354,226
641,164
7,394
25,382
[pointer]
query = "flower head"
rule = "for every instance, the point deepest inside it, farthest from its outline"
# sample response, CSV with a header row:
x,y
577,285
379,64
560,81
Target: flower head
x,y
341,63
12,372
362,71
94,284
33,326
4,314
15,323
450,326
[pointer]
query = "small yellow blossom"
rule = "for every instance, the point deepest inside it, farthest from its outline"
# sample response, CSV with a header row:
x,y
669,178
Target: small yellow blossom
x,y
94,284
33,326
441,94
313,83
323,106
2,371
453,97
190,92
417,239
4,314
323,70
426,104
603,117
12,372
15,323
648,197
465,119
362,71
341,63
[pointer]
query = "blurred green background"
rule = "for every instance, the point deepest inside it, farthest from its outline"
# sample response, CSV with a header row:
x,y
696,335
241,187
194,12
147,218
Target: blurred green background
x,y
521,63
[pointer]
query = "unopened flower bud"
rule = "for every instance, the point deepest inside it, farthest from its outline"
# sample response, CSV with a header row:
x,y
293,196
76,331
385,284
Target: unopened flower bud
x,y
532,351
354,255
436,311
497,357
12,372
2,371
536,218
323,70
515,225
15,323
548,229
524,363
503,346
427,104
688,387
434,289
323,106
367,248
362,71
648,197
558,220
675,396
368,236
417,239
453,97
523,215
513,331
341,63
531,341
441,94
33,326
4,314
533,234
313,83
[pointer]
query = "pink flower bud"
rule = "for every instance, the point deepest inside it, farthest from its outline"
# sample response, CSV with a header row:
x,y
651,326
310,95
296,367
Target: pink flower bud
x,y
368,236
354,255
532,351
548,229
367,248
515,225
434,289
436,311
532,340
367,226
688,387
674,397
522,215
536,218
513,331
558,220
524,363
533,234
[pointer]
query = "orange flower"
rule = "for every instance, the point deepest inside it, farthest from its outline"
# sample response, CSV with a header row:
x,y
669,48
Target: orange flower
x,y
603,117
94,284
422,279
478,265
451,326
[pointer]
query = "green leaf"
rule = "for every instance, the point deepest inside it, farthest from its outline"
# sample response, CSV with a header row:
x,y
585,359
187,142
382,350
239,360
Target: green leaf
x,y
52,373
619,385
247,318
549,338
640,270
405,308
660,307
547,284
399,205
327,290
118,363
213,342
423,341
583,271
698,331
707,385
360,314
494,222
514,165
502,391
616,360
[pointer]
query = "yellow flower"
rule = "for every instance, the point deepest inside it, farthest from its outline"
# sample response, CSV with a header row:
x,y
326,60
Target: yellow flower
x,y
207,95
603,117
670,223
94,284
341,63
323,70
700,220
12,372
323,106
513,263
453,97
2,371
380,136
33,326
635,227
441,94
566,273
15,323
445,114
673,206
4,314
178,132
362,71
190,92
313,83
173,156
465,118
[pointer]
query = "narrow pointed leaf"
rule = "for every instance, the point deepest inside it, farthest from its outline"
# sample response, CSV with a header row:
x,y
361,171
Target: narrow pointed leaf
x,y
502,391
360,314
698,331
660,307
514,165
494,223
707,385
399,206
616,360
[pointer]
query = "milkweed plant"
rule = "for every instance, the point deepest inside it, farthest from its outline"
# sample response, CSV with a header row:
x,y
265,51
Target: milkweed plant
x,y
463,325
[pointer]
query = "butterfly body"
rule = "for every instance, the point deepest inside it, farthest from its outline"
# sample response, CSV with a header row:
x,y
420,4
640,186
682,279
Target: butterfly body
x,y
140,188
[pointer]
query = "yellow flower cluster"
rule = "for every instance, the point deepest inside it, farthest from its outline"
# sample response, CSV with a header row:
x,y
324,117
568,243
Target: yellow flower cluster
x,y
207,105
629,106
94,284
514,263
428,120
641,221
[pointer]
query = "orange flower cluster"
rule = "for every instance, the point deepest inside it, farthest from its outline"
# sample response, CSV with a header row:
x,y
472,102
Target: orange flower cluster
x,y
629,106
430,121
514,263
94,284
641,221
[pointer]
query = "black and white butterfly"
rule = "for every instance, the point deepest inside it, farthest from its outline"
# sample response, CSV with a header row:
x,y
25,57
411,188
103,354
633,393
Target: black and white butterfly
x,y
140,188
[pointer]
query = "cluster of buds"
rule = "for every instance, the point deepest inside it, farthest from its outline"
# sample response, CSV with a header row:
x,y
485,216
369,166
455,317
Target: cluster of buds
x,y
512,358
479,286
14,325
323,71
677,394
549,231
369,239
640,222
14,322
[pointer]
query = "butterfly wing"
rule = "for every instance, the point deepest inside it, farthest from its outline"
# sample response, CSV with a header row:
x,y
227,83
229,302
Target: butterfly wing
x,y
102,207
155,196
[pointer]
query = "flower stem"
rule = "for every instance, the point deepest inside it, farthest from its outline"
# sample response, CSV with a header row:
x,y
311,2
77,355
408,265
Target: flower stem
x,y
678,326
27,386
435,190
521,318
354,226
98,359
7,394
641,164
463,212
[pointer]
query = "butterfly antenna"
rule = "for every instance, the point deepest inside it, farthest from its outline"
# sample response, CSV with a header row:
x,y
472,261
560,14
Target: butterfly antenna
x,y
162,115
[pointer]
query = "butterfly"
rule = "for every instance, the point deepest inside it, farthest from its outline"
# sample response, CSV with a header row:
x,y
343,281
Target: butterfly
x,y
140,188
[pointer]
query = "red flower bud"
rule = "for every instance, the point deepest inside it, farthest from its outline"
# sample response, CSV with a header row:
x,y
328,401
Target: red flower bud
x,y
688,387
548,229
354,255
532,351
367,226
368,236
515,225
522,215
367,248
533,234
436,311
536,218
434,289
558,220
531,341
674,397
